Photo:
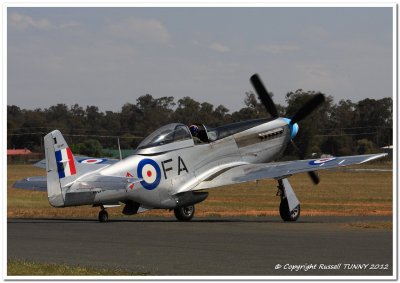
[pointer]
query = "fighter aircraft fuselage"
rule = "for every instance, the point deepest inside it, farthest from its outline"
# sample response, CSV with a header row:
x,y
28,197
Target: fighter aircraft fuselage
x,y
170,169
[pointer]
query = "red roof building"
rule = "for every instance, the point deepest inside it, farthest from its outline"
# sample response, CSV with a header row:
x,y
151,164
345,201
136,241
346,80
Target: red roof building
x,y
18,151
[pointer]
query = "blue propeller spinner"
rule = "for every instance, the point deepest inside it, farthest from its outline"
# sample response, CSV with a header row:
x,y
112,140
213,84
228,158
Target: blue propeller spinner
x,y
294,128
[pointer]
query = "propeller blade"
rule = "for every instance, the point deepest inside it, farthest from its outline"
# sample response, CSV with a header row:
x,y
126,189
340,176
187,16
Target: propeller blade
x,y
299,152
264,96
308,108
313,175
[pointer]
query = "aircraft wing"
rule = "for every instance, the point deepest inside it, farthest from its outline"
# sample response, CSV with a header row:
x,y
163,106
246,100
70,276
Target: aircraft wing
x,y
278,170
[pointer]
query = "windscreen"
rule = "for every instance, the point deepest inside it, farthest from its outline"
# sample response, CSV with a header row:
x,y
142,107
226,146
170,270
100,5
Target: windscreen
x,y
167,134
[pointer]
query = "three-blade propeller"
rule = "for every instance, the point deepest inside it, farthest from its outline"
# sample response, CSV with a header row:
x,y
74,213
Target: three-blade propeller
x,y
302,113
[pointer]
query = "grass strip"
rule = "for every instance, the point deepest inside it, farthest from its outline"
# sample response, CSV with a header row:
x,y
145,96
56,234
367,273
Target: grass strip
x,y
382,225
17,267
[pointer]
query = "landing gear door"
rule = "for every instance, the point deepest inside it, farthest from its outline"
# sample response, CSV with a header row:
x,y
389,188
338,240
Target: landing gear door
x,y
293,202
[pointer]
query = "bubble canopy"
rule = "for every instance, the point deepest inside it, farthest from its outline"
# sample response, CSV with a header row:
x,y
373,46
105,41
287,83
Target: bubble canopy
x,y
167,134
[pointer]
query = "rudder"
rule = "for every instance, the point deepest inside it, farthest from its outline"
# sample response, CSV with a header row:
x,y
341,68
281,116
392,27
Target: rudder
x,y
60,167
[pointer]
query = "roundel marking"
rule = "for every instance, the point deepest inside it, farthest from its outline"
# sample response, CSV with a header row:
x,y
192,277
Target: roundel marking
x,y
321,161
92,160
150,172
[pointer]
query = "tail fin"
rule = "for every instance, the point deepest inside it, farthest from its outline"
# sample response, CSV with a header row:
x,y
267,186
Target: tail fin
x,y
60,167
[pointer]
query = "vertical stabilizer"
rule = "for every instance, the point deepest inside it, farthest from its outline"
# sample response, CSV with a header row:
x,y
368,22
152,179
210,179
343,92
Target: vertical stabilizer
x,y
60,167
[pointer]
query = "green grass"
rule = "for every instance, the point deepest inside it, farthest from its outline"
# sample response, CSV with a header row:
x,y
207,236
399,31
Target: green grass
x,y
29,268
381,225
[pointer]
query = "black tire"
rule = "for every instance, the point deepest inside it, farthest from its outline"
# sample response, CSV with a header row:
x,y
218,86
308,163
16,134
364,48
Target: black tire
x,y
103,216
184,213
285,213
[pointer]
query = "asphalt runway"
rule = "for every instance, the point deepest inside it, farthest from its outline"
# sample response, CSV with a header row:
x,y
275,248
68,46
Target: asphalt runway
x,y
213,246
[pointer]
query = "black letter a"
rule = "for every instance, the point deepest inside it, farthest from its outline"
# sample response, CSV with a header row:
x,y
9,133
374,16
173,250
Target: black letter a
x,y
183,168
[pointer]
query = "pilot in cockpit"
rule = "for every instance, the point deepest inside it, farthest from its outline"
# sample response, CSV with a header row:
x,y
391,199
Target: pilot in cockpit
x,y
194,130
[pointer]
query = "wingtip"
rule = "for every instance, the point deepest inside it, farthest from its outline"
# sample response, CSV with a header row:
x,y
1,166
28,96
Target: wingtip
x,y
373,157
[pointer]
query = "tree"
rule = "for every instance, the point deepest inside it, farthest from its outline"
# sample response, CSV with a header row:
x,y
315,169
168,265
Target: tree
x,y
206,113
332,128
129,117
90,147
375,116
365,146
93,119
29,134
77,117
187,111
153,113
58,115
220,113
342,114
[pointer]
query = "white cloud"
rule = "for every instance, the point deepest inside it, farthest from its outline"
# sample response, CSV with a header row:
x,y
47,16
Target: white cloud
x,y
23,22
219,47
276,48
142,30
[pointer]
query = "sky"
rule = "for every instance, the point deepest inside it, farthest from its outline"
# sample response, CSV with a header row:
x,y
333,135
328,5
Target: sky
x,y
110,56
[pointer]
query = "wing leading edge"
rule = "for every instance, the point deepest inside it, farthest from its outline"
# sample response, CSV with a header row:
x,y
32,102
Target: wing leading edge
x,y
279,170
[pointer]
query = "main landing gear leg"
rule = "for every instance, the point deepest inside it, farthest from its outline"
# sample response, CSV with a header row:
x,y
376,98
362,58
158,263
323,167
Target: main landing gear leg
x,y
289,208
103,215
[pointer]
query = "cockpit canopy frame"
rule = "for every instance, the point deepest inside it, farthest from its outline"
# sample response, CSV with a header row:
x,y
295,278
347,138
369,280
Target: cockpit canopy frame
x,y
169,137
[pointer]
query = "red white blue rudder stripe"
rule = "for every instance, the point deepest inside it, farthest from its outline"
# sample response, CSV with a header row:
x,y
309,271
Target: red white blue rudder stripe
x,y
65,163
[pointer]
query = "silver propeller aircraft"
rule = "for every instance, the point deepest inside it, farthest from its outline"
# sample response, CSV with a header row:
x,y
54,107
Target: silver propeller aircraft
x,y
171,171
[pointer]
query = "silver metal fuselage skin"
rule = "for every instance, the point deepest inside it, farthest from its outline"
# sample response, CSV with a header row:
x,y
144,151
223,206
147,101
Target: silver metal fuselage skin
x,y
181,166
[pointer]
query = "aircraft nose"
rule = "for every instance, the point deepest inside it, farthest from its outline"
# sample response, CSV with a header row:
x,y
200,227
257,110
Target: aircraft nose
x,y
294,128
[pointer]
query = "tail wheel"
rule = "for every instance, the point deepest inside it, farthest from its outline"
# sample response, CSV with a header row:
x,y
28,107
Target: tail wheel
x,y
103,216
184,213
286,215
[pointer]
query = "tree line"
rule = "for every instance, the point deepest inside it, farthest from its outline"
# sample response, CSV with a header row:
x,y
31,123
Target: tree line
x,y
342,128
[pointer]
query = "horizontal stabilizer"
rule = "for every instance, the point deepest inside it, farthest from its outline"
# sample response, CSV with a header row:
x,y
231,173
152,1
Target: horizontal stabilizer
x,y
32,183
84,161
92,182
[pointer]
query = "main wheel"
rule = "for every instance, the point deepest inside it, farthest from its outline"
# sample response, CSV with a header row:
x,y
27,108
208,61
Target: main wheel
x,y
103,216
184,213
285,213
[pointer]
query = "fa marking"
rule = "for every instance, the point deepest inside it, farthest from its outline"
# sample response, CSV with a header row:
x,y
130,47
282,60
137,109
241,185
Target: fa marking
x,y
167,167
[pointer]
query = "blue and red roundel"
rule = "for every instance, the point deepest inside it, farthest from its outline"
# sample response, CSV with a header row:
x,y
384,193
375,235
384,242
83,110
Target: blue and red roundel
x,y
150,172
92,160
321,161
